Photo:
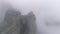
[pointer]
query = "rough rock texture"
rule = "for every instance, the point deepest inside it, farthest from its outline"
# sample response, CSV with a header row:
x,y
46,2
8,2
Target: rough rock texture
x,y
15,23
11,22
29,25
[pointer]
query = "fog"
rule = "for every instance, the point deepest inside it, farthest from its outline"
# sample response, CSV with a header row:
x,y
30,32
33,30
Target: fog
x,y
44,10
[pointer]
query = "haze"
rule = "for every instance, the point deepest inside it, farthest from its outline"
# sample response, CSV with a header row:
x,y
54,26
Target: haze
x,y
45,10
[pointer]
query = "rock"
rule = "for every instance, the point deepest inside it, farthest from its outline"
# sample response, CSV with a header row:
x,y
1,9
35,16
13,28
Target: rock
x,y
29,24
15,23
11,22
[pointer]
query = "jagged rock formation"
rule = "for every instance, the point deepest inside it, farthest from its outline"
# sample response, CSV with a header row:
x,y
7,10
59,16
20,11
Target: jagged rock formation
x,y
11,22
29,25
15,23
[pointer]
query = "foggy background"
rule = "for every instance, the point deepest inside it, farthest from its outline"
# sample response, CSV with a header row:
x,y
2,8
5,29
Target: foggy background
x,y
44,10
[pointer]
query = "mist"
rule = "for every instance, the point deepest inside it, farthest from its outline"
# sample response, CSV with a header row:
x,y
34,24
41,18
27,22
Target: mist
x,y
44,10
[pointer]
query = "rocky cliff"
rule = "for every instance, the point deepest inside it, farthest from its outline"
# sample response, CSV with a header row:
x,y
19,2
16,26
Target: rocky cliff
x,y
15,23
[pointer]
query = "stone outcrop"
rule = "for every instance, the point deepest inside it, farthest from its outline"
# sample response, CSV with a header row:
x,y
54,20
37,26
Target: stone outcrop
x,y
15,23
29,23
11,22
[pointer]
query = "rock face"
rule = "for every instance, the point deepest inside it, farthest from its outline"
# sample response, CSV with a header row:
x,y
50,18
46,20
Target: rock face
x,y
15,23
29,25
11,22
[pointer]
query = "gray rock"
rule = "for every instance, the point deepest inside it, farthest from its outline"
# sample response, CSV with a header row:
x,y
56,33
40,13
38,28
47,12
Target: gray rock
x,y
15,23
11,22
29,25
